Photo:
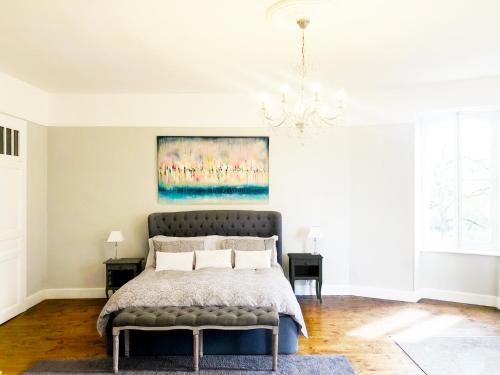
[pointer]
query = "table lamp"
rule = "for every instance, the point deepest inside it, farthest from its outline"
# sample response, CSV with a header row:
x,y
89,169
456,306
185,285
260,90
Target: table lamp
x,y
314,234
115,236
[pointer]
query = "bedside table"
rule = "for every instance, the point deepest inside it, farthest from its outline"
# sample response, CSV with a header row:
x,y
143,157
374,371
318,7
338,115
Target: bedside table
x,y
119,271
306,266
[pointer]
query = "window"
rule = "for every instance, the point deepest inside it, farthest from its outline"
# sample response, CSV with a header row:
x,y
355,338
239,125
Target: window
x,y
460,181
9,141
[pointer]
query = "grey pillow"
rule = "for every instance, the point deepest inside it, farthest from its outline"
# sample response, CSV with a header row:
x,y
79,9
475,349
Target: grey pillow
x,y
250,244
178,246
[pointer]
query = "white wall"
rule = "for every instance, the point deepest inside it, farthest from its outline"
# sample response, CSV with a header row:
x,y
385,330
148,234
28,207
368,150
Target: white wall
x,y
380,106
173,110
103,178
19,99
459,273
382,207
36,247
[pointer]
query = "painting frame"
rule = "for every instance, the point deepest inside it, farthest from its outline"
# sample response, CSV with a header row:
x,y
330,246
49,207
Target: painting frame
x,y
194,170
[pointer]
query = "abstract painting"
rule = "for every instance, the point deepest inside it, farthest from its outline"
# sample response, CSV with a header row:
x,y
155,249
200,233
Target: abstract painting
x,y
213,169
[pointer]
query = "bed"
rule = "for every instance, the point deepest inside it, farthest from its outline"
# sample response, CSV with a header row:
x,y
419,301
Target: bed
x,y
242,287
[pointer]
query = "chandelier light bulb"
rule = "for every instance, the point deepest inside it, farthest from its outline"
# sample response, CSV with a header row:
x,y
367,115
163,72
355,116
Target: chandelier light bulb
x,y
324,110
340,95
315,88
264,98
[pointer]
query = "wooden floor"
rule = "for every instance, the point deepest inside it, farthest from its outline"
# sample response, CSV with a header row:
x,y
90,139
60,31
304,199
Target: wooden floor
x,y
359,328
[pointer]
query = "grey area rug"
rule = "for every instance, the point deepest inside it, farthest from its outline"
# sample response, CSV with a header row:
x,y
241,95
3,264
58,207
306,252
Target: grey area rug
x,y
455,355
209,365
453,347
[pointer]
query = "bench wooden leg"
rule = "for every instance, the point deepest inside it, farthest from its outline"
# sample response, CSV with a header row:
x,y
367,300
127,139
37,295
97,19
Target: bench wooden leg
x,y
196,349
201,343
116,349
275,348
126,334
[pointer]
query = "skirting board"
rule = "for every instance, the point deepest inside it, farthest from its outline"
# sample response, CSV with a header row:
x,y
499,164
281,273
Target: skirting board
x,y
384,293
461,297
69,293
62,293
305,289
34,299
400,295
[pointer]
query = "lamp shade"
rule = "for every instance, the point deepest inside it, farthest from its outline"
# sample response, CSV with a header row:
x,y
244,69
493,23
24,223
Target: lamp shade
x,y
115,236
315,232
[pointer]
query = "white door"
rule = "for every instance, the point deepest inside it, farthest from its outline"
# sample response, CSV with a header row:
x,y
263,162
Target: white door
x,y
12,217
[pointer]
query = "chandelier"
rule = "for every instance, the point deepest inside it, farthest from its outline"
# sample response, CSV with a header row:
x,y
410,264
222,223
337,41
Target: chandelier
x,y
309,112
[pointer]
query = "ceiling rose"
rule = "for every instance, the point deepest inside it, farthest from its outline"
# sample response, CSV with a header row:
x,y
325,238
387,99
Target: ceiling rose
x,y
287,11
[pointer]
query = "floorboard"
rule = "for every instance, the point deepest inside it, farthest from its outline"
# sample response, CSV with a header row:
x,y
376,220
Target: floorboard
x,y
359,328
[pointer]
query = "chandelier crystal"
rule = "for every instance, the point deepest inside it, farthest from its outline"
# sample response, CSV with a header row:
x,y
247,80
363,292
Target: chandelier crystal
x,y
309,111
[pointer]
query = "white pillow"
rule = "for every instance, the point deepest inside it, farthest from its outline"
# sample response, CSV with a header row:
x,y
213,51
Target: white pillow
x,y
217,240
174,261
210,243
214,258
252,259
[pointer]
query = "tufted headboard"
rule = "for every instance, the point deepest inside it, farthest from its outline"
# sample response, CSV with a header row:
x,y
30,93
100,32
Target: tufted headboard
x,y
220,222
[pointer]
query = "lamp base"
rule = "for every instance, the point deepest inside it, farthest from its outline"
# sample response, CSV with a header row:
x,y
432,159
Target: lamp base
x,y
316,251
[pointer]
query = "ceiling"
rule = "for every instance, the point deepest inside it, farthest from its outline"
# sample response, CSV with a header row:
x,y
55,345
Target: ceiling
x,y
230,46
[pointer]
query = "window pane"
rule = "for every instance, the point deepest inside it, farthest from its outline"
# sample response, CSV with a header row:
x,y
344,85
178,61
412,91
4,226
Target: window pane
x,y
440,165
476,211
475,145
1,139
16,142
8,141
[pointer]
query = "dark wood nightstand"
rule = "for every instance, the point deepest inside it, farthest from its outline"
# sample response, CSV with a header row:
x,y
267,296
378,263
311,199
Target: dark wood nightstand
x,y
306,266
119,271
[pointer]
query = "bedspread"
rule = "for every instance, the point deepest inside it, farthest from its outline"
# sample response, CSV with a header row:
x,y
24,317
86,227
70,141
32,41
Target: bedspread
x,y
206,287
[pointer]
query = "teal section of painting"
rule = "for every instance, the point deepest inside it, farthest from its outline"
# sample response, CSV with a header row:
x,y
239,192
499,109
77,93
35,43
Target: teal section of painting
x,y
213,169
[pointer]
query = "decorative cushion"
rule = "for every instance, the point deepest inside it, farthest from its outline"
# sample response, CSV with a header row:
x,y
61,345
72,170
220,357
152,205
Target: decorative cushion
x,y
179,246
209,244
174,261
213,259
252,259
196,316
247,244
252,244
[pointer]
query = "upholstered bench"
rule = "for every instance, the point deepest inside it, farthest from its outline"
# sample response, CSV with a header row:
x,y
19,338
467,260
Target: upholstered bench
x,y
195,319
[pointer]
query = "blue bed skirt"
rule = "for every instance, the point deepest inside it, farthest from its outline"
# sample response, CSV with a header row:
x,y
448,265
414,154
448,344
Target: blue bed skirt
x,y
180,342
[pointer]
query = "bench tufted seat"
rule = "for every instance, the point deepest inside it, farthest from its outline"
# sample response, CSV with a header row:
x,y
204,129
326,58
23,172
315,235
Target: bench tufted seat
x,y
197,319
196,316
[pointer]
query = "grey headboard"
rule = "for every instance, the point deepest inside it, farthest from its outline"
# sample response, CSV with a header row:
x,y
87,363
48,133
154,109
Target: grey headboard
x,y
220,222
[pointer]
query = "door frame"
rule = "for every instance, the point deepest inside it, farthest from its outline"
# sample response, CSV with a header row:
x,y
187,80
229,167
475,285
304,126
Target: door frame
x,y
20,233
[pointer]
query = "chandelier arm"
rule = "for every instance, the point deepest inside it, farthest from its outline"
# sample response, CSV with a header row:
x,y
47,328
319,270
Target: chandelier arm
x,y
330,121
274,122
